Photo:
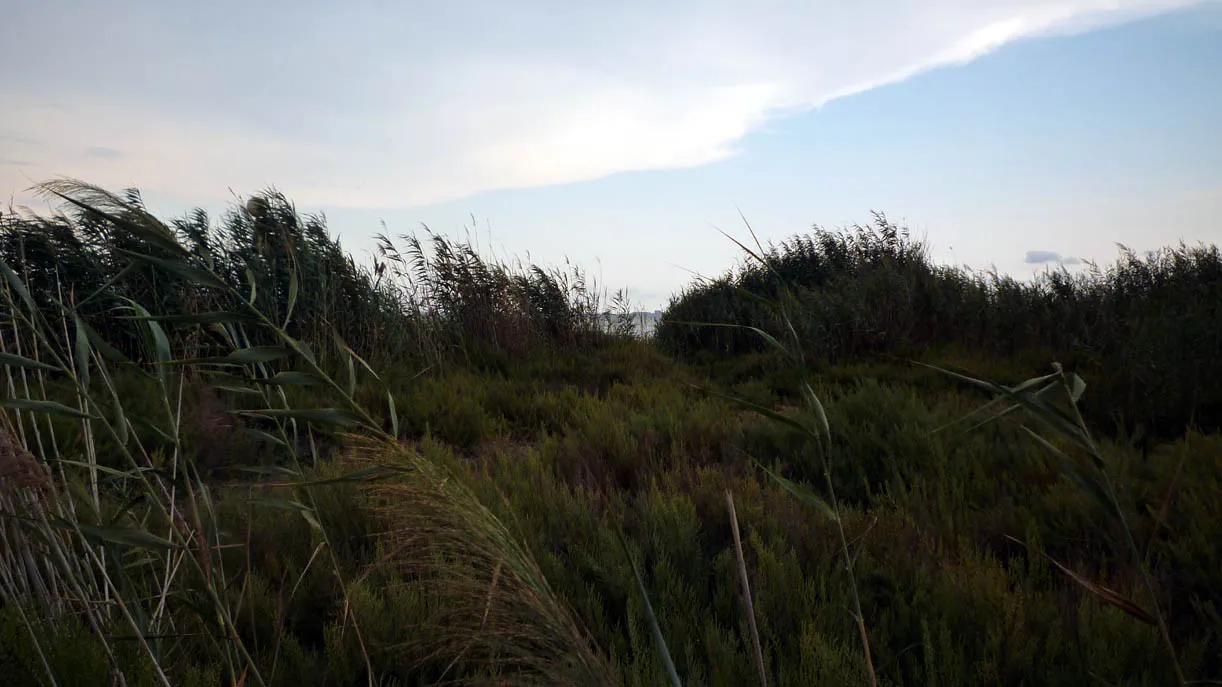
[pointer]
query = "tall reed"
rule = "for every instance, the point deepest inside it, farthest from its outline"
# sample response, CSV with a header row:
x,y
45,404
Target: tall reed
x,y
138,544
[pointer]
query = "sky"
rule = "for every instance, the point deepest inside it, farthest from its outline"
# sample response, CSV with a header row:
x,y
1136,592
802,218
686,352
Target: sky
x,y
1018,135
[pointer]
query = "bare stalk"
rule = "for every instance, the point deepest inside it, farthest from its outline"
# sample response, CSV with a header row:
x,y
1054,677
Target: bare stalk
x,y
746,590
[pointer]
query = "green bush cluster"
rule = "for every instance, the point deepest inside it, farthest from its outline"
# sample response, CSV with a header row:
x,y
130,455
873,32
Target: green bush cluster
x,y
435,300
1143,328
451,508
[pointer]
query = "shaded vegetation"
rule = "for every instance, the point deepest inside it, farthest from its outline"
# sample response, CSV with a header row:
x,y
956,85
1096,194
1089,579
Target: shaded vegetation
x,y
432,301
1144,329
233,455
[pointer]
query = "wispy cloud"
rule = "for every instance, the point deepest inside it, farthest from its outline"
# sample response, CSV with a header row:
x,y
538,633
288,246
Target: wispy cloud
x,y
371,104
1039,257
103,153
1042,257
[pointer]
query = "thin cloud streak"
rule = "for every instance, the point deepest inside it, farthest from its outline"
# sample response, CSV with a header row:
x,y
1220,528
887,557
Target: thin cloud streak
x,y
371,106
1043,257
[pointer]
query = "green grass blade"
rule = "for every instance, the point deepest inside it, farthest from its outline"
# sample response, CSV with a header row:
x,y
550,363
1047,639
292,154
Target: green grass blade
x,y
359,359
269,469
189,273
266,436
748,251
17,285
116,474
1035,403
812,399
120,424
364,475
220,317
293,287
394,415
50,407
326,416
350,360
307,513
101,345
803,494
243,356
351,364
81,353
162,238
1087,483
145,424
280,504
979,383
254,284
1100,592
745,585
118,276
21,361
123,536
772,340
291,378
761,410
766,302
238,389
1077,387
158,342
654,628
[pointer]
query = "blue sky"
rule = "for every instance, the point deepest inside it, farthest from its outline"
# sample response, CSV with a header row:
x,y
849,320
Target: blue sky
x,y
621,136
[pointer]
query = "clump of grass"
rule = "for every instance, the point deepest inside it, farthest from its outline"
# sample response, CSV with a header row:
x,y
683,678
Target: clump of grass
x,y
507,503
435,300
132,566
1035,398
495,616
1142,326
816,429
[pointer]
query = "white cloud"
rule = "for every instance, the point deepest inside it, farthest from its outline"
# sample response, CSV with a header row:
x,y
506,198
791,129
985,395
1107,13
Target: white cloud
x,y
375,105
1044,257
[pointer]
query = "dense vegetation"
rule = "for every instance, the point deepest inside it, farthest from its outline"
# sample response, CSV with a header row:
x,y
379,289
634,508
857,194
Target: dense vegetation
x,y
233,454
1145,329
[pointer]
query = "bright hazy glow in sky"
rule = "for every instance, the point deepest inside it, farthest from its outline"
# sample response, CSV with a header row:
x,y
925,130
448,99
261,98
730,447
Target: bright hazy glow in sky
x,y
620,133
